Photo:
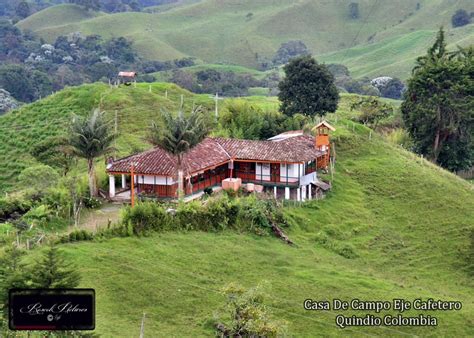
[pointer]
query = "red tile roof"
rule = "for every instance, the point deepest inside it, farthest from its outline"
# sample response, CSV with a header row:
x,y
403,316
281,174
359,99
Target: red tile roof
x,y
127,74
294,149
212,152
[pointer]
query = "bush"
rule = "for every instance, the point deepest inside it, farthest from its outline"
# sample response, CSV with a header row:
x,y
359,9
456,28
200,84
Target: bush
x,y
76,236
460,18
191,216
217,214
38,215
11,205
400,137
346,250
91,202
354,10
245,314
146,216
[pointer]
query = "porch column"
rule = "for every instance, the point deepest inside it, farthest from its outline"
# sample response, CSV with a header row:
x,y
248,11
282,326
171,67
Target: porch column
x,y
303,193
124,181
275,191
298,194
287,193
111,186
309,192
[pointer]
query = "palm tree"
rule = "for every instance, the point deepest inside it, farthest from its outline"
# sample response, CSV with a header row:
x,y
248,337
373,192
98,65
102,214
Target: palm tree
x,y
178,135
91,138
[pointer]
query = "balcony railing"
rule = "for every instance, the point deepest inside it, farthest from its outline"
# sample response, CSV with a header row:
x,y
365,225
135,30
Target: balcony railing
x,y
267,179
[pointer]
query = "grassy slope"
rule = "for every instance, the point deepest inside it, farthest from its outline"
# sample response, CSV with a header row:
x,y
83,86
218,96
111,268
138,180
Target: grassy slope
x,y
136,107
395,56
166,75
406,219
219,32
58,15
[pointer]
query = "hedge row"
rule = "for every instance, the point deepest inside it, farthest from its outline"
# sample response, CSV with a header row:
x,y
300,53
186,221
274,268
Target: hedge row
x,y
245,214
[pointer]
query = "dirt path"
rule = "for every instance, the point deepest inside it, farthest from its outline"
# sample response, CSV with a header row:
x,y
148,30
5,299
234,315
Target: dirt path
x,y
99,218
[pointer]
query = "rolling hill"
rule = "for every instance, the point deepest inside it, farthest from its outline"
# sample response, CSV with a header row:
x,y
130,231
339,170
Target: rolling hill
x,y
394,226
58,15
247,32
22,128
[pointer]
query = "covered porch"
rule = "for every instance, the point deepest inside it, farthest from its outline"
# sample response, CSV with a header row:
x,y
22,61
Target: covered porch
x,y
273,173
159,186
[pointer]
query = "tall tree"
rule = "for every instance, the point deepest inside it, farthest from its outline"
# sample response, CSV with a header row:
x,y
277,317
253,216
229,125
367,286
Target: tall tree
x,y
308,88
439,108
178,135
52,271
16,80
11,276
23,9
88,4
91,137
55,152
435,53
460,18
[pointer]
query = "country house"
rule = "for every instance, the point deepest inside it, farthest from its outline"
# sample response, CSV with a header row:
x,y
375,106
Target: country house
x,y
287,164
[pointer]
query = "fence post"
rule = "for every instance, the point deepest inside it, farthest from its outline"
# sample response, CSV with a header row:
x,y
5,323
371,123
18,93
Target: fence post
x,y
142,327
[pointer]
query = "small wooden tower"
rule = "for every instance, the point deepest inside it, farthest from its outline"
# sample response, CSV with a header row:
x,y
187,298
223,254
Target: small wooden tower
x,y
322,142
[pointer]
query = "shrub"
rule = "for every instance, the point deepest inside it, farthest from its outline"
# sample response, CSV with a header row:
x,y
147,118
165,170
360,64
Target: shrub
x,y
216,214
253,215
400,137
460,18
11,205
191,216
245,314
38,215
346,250
354,10
73,236
146,216
91,202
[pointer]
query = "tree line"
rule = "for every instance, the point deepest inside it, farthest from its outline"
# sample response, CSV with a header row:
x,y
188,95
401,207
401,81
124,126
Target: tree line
x,y
32,68
17,10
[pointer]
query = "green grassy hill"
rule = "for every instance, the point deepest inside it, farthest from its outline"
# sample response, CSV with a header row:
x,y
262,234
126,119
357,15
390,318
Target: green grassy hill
x,y
244,32
58,15
395,56
394,226
136,107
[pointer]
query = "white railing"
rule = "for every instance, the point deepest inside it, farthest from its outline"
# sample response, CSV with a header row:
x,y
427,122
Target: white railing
x,y
307,179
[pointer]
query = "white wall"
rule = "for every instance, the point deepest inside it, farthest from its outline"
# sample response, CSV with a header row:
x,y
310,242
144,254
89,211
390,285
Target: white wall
x,y
160,180
265,171
292,172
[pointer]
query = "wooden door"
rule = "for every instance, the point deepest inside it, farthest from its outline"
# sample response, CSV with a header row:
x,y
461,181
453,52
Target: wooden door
x,y
275,172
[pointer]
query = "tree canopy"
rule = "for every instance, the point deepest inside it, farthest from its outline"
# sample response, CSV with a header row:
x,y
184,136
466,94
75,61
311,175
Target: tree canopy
x,y
308,88
460,18
178,135
439,108
52,271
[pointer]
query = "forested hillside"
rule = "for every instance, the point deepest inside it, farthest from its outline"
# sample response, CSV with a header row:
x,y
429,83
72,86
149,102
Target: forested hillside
x,y
249,33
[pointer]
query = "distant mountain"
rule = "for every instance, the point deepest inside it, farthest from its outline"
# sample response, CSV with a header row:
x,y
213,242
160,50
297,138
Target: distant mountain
x,y
373,37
